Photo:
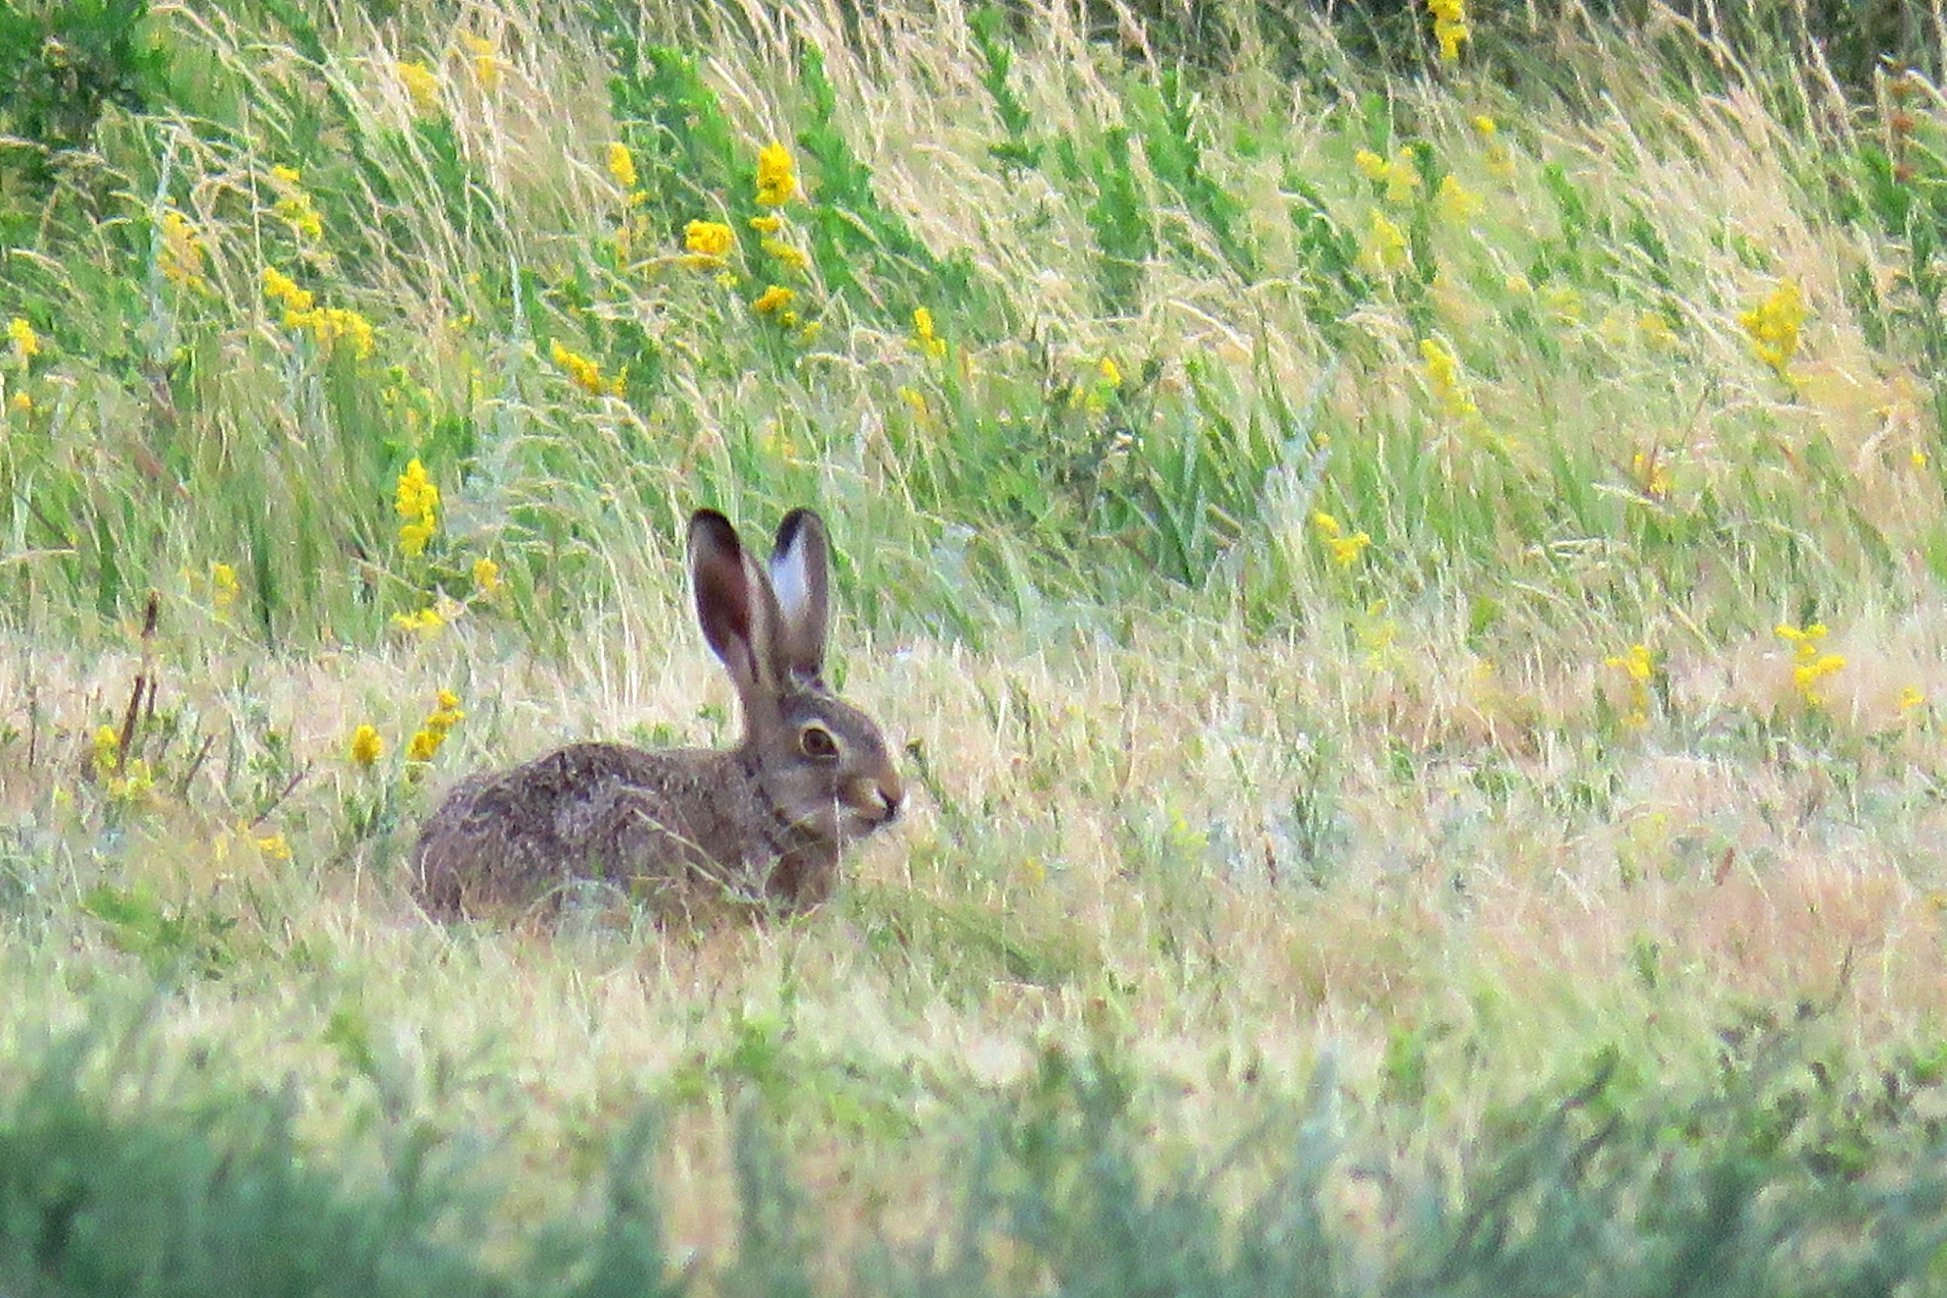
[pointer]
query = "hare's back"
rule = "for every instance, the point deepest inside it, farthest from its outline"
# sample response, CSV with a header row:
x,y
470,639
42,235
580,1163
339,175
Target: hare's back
x,y
579,811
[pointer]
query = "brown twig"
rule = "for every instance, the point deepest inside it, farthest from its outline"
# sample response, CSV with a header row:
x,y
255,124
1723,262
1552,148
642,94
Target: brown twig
x,y
278,801
144,683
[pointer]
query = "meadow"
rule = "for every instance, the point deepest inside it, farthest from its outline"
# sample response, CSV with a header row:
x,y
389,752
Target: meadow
x,y
1402,552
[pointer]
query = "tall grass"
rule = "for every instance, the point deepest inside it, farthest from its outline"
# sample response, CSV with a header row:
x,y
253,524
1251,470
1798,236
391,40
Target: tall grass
x,y
1407,591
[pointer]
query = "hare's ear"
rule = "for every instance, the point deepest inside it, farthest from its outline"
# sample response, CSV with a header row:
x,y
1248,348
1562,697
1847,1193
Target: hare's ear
x,y
733,603
801,580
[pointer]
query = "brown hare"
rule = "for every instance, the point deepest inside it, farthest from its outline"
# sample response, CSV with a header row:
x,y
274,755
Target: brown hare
x,y
763,822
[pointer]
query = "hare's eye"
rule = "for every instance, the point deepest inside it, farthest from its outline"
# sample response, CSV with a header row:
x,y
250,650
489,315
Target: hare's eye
x,y
817,742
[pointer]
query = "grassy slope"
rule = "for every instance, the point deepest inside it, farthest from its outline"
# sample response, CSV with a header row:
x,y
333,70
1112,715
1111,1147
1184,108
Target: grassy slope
x,y
1396,809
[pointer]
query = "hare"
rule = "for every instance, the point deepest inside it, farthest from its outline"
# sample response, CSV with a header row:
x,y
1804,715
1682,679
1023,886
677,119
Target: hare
x,y
763,822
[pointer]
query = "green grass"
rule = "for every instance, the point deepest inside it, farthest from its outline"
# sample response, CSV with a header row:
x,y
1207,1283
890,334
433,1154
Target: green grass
x,y
1370,830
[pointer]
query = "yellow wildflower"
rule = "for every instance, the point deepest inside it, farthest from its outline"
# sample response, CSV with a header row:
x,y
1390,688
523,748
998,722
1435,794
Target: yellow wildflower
x,y
1345,548
27,343
924,335
487,63
330,325
790,257
486,576
416,500
1652,474
1456,203
770,224
294,206
1638,668
585,373
1400,176
1385,250
1774,323
421,83
433,730
1443,376
223,588
182,250
426,623
275,847
1110,373
1911,698
777,179
915,401
21,403
1810,666
107,747
774,301
281,288
709,239
621,165
1449,26
366,746
134,785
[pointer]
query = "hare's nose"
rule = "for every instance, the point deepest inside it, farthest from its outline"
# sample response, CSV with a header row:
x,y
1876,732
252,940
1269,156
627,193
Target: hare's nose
x,y
891,795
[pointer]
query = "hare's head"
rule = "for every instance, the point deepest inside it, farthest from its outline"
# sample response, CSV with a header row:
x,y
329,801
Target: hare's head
x,y
821,762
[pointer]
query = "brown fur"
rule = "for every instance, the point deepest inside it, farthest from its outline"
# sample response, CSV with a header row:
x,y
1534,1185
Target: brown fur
x,y
763,823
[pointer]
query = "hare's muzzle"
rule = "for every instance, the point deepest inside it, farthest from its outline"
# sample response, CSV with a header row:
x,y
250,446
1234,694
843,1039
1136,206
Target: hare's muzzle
x,y
876,799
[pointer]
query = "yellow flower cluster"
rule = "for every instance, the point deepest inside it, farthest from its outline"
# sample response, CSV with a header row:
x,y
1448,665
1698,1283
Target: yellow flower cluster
x,y
1449,27
421,83
1652,474
585,373
1443,376
1457,204
777,176
1773,325
1385,249
621,165
1345,548
433,730
1400,176
789,256
416,500
294,206
425,623
328,326
223,588
1809,666
486,576
487,63
182,250
1638,668
130,785
26,343
776,301
925,337
331,325
282,289
107,750
366,747
708,242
